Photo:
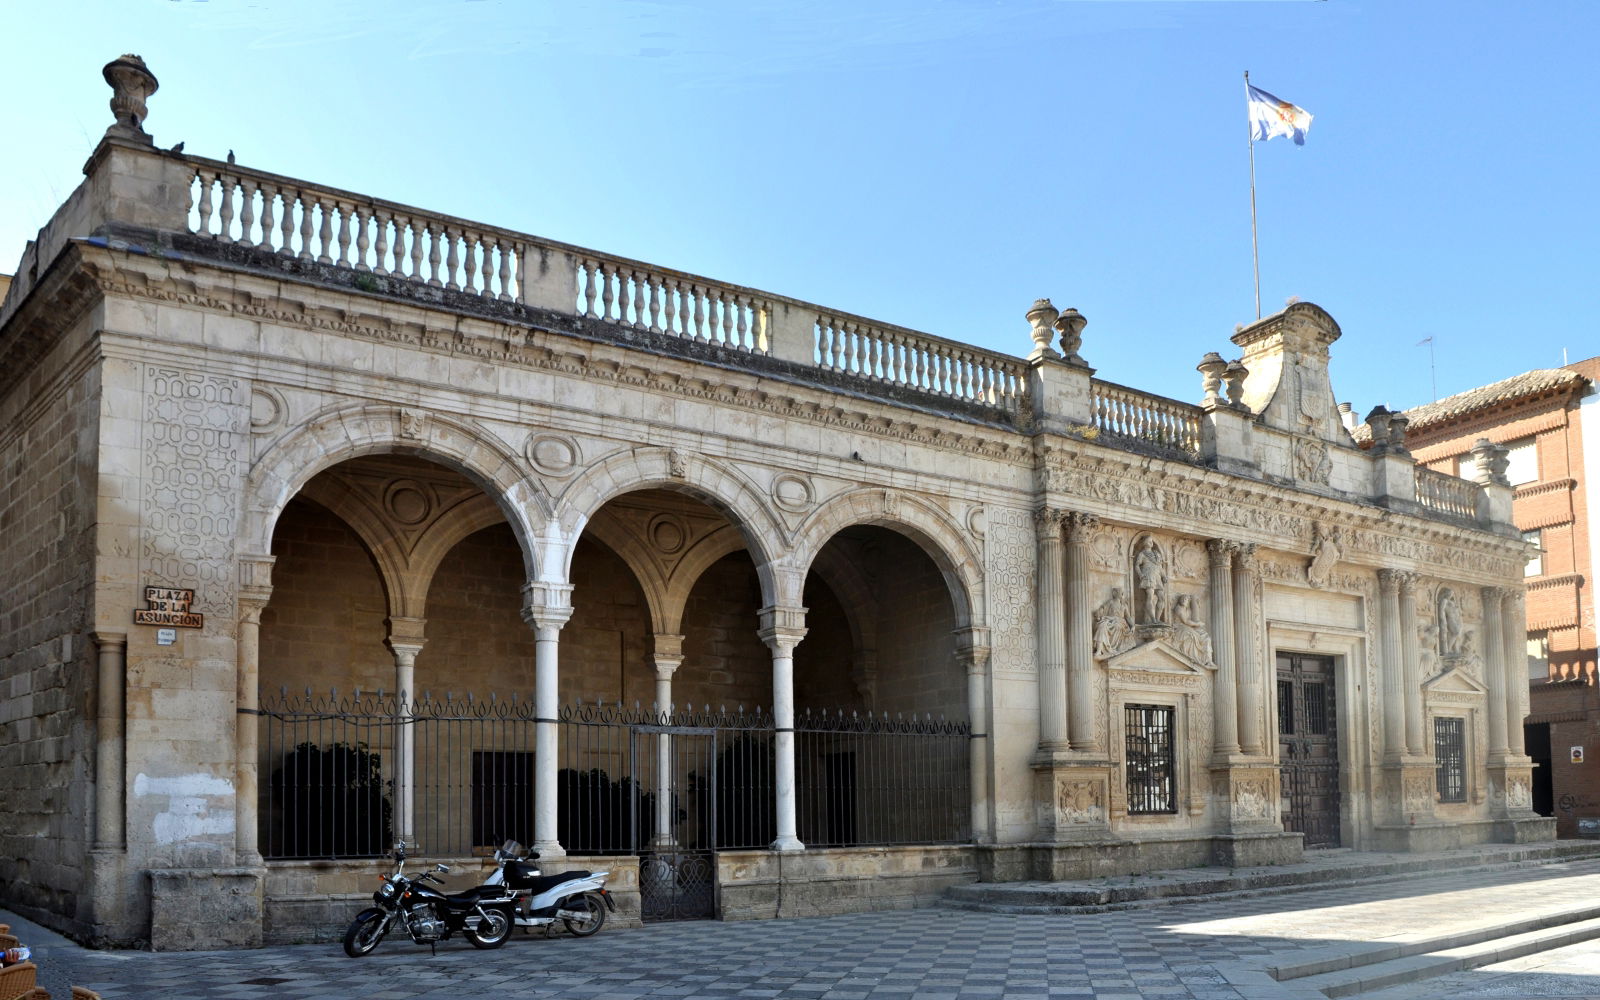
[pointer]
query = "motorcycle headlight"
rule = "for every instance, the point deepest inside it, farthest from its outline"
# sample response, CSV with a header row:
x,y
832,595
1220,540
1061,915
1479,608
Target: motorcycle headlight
x,y
387,890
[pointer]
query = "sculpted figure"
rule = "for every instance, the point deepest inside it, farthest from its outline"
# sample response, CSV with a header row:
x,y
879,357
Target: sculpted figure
x,y
1191,637
1325,556
1449,624
1112,630
1150,571
1427,643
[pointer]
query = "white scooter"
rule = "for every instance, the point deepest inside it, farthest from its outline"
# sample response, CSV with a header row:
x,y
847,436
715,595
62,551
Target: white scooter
x,y
578,899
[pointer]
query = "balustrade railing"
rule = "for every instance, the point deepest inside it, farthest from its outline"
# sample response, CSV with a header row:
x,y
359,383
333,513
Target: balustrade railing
x,y
905,357
1447,494
1129,415
327,226
677,304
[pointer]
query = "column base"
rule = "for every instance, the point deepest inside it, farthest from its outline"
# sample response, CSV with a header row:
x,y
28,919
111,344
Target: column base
x,y
549,849
787,844
1246,797
1511,789
205,909
112,904
1410,789
1073,800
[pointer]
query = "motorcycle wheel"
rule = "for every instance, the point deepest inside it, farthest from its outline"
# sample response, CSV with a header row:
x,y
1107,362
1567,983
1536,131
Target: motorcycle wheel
x,y
595,909
364,934
491,931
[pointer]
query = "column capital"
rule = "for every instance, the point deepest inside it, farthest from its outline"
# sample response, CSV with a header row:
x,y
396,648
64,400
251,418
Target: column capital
x,y
973,649
1047,519
782,628
1080,525
668,655
109,640
407,630
255,582
1221,550
1391,580
546,604
1493,594
1244,554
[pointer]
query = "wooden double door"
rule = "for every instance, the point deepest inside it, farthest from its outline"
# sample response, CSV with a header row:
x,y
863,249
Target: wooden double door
x,y
1308,747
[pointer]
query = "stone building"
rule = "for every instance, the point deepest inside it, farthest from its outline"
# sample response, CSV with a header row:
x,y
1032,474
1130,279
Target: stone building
x,y
765,607
1549,420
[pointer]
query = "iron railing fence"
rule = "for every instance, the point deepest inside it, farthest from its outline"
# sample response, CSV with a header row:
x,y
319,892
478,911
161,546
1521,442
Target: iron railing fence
x,y
345,776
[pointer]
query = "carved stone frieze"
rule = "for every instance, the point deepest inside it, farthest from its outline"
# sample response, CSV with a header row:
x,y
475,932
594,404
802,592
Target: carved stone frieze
x,y
1254,799
1081,802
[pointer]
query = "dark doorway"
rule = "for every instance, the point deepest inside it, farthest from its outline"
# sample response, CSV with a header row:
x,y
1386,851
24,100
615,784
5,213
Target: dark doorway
x,y
1536,739
1308,747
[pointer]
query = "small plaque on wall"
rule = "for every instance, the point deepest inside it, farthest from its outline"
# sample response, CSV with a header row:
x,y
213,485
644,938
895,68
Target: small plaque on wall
x,y
1577,755
1589,827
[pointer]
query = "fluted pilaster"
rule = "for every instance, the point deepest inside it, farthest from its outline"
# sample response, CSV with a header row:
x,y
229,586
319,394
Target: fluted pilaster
x,y
1514,626
1411,663
1082,730
1225,701
1393,694
1494,669
1052,632
1247,670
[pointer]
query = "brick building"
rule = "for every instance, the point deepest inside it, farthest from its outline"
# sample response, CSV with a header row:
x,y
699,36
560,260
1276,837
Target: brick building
x,y
1549,419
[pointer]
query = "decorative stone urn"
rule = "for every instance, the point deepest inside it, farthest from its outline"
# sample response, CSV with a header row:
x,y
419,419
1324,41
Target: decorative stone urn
x,y
131,82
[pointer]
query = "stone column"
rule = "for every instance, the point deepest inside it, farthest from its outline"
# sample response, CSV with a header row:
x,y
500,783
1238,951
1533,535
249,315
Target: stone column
x,y
405,642
972,653
1393,696
782,629
1406,607
1514,628
1494,671
1082,731
1246,662
668,657
255,589
111,652
1219,602
1052,635
546,607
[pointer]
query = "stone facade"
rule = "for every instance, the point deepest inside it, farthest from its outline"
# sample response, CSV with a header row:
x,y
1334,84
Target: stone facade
x,y
387,448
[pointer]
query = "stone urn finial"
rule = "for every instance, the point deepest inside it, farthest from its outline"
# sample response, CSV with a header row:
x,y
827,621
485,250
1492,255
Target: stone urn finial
x,y
1378,422
1491,462
1211,368
1041,316
131,82
1070,324
1398,422
1235,376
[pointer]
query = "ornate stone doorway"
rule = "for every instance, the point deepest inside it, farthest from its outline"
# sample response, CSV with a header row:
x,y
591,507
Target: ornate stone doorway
x,y
1308,747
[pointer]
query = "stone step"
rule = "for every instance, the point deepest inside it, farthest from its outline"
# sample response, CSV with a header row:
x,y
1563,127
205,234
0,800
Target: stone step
x,y
1419,960
1325,869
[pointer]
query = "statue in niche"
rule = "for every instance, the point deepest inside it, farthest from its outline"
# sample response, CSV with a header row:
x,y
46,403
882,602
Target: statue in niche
x,y
1325,555
1150,574
1449,624
1113,633
1427,643
1190,633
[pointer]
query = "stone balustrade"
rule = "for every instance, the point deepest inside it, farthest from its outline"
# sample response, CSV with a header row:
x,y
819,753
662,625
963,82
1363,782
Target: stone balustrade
x,y
1442,492
1145,421
667,302
904,357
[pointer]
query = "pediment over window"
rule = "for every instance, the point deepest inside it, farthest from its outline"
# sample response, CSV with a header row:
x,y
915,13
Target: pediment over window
x,y
1454,682
1158,656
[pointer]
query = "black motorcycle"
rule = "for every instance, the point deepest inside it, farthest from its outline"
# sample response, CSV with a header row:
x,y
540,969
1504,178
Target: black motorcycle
x,y
482,914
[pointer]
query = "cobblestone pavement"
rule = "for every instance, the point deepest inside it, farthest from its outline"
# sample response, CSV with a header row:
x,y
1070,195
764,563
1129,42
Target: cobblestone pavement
x,y
1177,951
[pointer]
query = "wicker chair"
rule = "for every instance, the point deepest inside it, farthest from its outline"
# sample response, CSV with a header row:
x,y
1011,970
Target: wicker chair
x,y
84,993
18,982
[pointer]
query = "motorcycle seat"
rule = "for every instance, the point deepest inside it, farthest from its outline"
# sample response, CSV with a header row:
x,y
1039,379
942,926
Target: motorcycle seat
x,y
477,893
545,883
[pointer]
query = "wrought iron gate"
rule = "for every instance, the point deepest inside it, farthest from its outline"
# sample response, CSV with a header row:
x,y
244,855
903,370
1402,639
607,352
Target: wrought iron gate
x,y
676,765
1308,748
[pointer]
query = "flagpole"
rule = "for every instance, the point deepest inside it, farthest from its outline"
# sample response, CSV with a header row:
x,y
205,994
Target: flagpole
x,y
1250,133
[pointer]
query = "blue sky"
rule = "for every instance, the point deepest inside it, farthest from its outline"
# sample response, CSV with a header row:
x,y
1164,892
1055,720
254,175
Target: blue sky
x,y
933,163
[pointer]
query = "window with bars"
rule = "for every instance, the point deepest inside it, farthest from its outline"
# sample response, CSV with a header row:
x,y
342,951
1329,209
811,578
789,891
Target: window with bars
x,y
1450,752
1150,759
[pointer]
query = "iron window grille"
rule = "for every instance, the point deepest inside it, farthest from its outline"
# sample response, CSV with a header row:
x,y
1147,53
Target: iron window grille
x,y
1150,759
1450,752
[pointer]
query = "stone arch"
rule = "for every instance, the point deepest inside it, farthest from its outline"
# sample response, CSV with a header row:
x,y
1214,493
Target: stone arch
x,y
338,434
706,480
370,528
462,522
932,529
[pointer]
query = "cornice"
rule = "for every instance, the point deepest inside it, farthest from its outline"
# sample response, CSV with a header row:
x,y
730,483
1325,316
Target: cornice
x,y
550,350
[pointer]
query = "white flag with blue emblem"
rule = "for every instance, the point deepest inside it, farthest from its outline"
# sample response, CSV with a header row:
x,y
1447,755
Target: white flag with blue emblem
x,y
1270,117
